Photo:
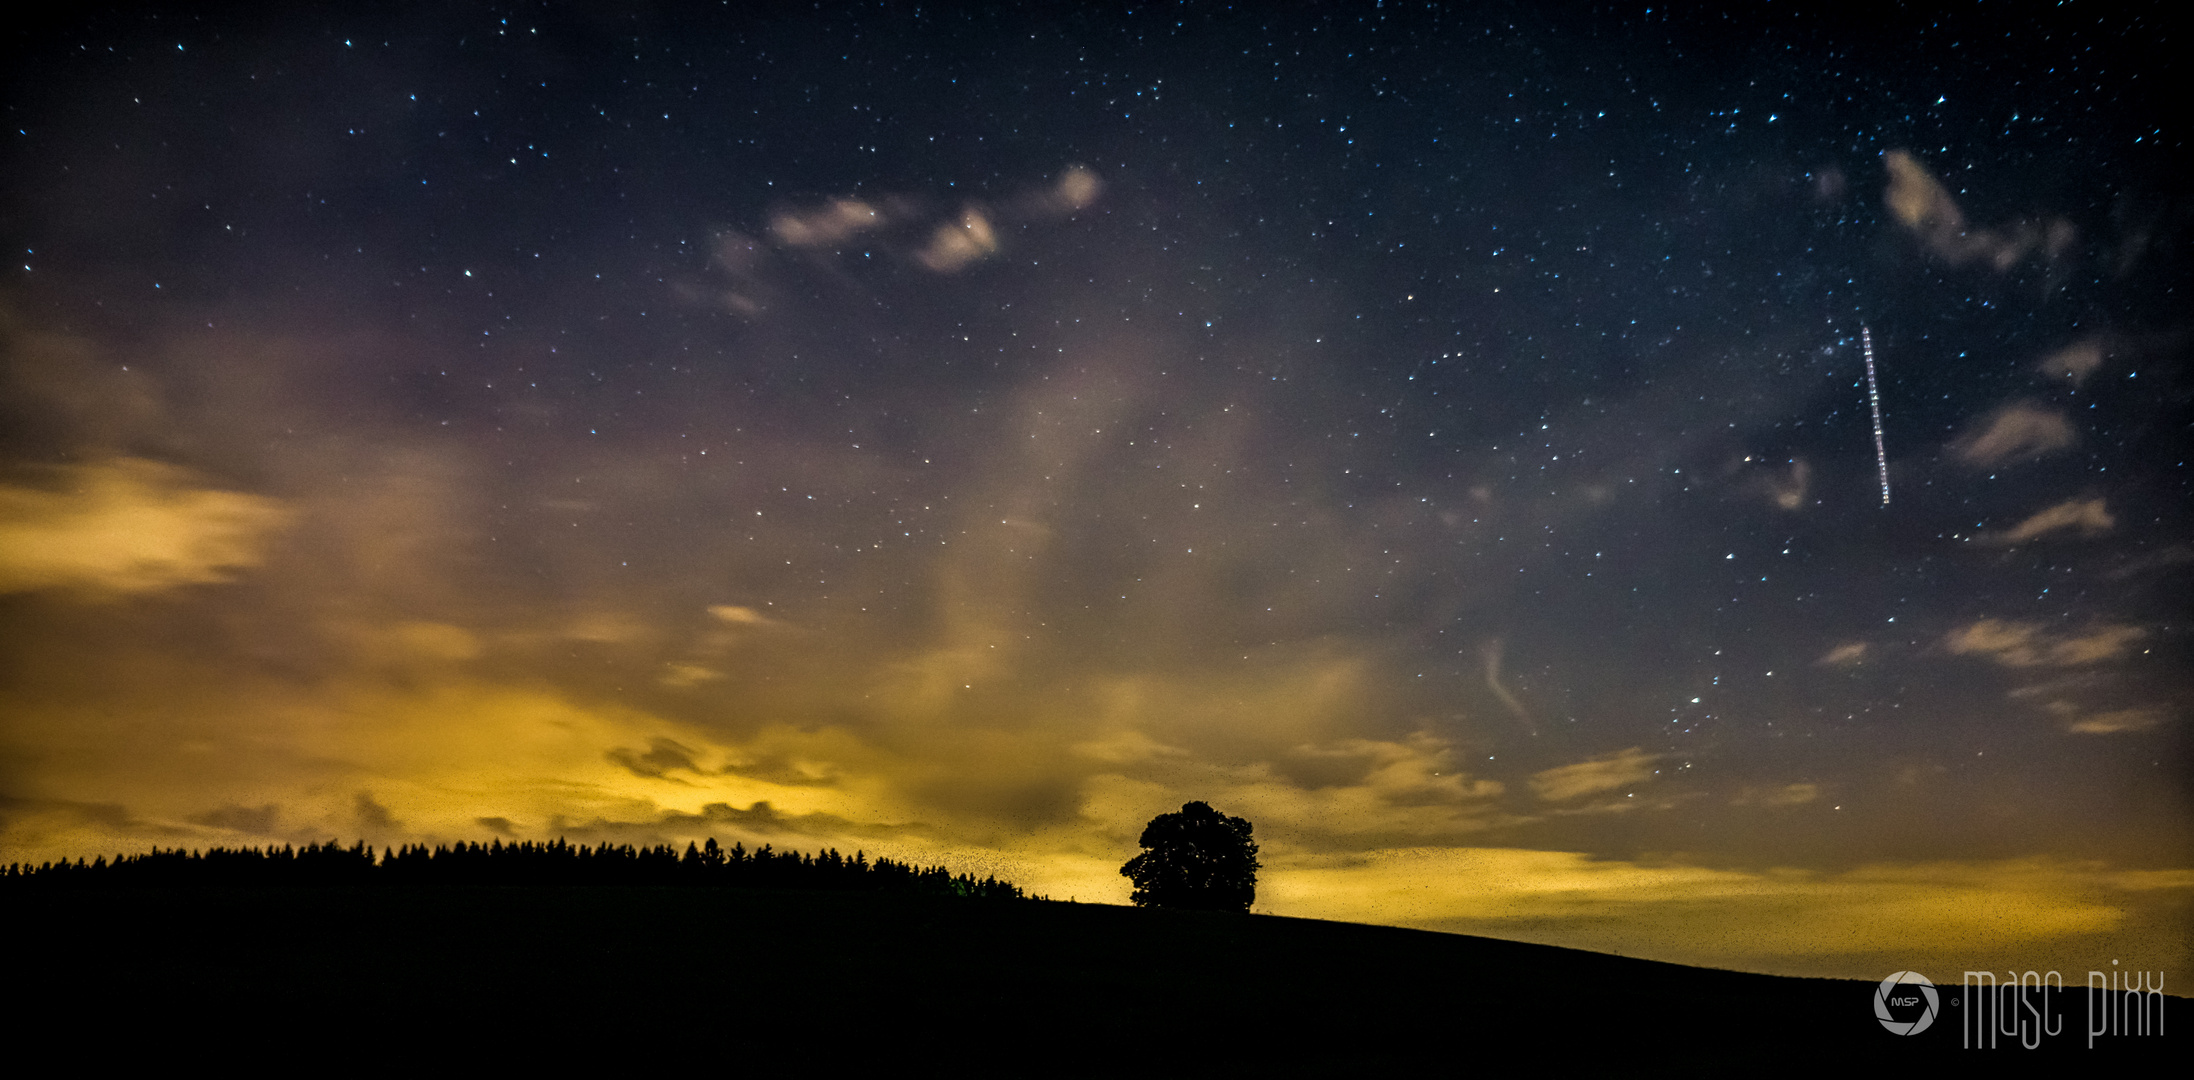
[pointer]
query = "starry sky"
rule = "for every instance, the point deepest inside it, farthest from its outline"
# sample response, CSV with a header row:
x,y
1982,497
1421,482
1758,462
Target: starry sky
x,y
1441,437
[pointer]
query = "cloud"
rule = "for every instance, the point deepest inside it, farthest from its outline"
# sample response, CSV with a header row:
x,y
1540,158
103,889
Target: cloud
x,y
1077,188
255,820
1787,795
1419,771
1917,199
2073,362
2104,643
1345,764
1781,920
811,830
1328,795
1491,653
762,817
739,616
2160,559
1788,492
67,827
372,816
1925,207
683,676
945,247
2117,722
2015,432
64,391
785,766
607,628
662,755
2058,685
742,260
956,244
2087,515
2024,644
435,641
1603,773
1127,747
1846,655
827,225
125,526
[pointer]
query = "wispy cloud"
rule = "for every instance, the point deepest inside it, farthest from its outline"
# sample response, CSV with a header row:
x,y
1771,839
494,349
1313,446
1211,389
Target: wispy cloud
x,y
949,246
832,223
2018,431
1789,490
2025,644
1923,205
2073,363
1604,773
1491,653
739,615
2160,559
2117,721
1786,795
1845,655
681,676
2078,720
252,820
2089,516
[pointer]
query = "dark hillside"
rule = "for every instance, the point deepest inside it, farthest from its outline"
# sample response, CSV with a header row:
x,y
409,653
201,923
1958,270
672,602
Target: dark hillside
x,y
843,979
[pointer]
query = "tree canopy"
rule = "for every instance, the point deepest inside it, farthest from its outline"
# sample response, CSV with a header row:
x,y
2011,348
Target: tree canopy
x,y
1198,858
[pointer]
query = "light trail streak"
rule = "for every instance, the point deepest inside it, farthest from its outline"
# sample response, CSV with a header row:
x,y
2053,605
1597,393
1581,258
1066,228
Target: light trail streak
x,y
1874,402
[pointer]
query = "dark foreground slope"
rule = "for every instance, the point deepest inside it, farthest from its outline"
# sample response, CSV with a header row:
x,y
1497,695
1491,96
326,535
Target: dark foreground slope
x,y
369,979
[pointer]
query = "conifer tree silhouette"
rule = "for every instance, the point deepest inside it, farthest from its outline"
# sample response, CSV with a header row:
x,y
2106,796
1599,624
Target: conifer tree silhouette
x,y
516,863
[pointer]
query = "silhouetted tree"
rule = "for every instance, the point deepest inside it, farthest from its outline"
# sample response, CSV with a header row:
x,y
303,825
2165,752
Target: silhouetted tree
x,y
1198,858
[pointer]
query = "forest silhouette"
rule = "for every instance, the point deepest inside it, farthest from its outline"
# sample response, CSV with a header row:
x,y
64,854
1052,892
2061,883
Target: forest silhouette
x,y
826,964
553,862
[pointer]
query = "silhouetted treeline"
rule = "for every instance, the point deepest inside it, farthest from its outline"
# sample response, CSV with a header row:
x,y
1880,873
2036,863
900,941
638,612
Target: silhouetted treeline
x,y
498,863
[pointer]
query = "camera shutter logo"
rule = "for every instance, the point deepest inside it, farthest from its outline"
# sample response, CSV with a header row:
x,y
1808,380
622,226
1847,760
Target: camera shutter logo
x,y
1898,989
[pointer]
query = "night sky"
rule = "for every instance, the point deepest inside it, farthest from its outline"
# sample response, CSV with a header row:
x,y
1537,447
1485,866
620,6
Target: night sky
x,y
1439,437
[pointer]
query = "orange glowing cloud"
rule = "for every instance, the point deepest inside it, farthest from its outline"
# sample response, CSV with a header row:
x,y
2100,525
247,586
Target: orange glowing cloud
x,y
1935,915
126,525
